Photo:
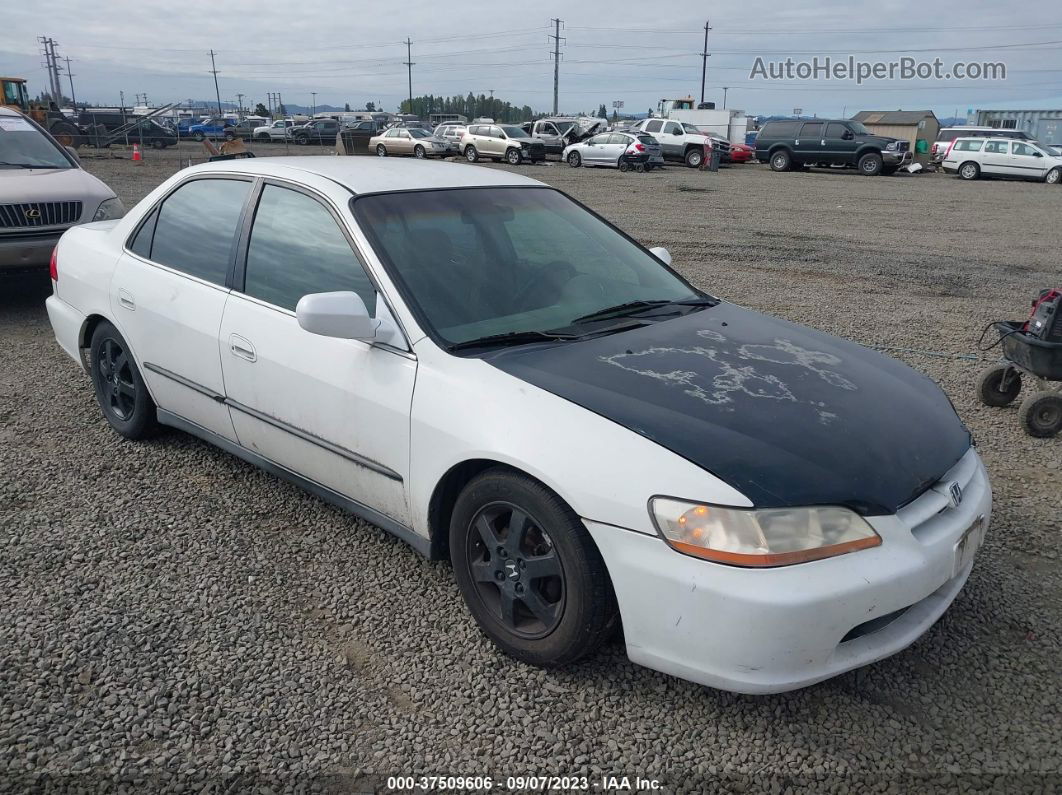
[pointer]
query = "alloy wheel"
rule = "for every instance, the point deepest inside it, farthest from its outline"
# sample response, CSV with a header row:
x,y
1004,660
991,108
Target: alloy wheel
x,y
517,572
115,377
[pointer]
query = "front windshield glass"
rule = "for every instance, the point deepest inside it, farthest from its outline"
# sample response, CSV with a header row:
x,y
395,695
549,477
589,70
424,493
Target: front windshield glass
x,y
564,126
858,128
485,261
516,132
695,130
23,146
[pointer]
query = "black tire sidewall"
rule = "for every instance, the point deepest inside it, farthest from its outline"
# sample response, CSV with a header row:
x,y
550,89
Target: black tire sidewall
x,y
788,161
1034,403
589,611
381,150
510,159
871,157
694,159
1058,176
419,153
574,159
144,420
471,155
976,174
988,386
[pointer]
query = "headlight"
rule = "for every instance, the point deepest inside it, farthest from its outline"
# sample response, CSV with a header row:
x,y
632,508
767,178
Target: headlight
x,y
769,537
109,210
892,146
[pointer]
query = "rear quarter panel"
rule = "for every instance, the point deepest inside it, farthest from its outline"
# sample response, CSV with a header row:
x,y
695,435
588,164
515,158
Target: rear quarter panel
x,y
86,256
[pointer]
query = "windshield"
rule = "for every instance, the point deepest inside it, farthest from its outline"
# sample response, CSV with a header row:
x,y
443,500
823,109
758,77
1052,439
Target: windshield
x,y
484,261
564,126
695,130
858,128
515,132
23,146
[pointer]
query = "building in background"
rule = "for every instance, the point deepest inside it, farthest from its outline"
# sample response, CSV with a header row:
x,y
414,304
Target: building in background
x,y
1044,126
918,127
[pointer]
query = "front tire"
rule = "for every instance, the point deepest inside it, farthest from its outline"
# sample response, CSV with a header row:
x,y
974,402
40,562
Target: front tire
x,y
120,390
158,144
871,164
999,385
781,161
574,159
381,150
694,158
471,155
529,571
513,157
302,140
198,136
1041,414
1054,176
969,171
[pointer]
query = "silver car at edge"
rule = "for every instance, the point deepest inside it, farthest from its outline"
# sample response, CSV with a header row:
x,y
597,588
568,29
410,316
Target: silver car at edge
x,y
43,192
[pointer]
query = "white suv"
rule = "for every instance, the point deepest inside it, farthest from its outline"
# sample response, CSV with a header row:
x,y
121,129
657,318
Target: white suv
x,y
971,158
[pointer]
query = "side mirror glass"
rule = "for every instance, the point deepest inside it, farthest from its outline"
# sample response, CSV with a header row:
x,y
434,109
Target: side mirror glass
x,y
341,314
661,254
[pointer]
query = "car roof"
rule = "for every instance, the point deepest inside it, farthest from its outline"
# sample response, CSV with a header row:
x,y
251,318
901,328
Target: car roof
x,y
373,174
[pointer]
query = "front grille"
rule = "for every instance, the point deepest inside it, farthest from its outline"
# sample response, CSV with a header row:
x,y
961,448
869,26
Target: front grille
x,y
37,214
538,150
931,514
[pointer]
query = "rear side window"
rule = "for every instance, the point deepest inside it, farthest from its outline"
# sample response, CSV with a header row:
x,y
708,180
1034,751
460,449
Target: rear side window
x,y
996,147
654,126
811,129
968,146
297,248
196,227
779,129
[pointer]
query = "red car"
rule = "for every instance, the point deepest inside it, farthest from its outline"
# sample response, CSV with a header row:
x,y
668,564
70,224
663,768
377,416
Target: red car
x,y
741,153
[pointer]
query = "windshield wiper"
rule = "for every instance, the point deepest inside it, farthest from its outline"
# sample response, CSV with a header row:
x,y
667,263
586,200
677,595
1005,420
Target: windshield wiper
x,y
513,338
634,307
26,165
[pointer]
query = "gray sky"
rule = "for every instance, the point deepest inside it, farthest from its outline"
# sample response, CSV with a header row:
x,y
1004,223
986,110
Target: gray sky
x,y
636,52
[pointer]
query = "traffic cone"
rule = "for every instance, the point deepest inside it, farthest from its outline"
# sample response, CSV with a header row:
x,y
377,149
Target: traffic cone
x,y
136,153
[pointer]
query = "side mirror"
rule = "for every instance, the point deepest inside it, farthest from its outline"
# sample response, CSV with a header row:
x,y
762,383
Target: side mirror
x,y
340,314
848,135
661,254
1037,154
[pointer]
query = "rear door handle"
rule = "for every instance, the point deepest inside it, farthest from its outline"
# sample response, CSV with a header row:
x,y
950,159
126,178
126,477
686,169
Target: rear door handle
x,y
242,347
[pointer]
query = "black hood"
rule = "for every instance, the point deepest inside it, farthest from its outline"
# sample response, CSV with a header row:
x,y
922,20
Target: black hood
x,y
785,414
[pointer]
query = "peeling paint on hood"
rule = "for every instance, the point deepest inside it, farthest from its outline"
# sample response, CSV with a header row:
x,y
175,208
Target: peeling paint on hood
x,y
786,414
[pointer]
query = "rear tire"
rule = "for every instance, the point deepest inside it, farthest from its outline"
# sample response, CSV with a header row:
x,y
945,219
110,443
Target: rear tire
x,y
871,164
574,159
781,161
418,152
158,144
529,571
120,390
999,385
198,136
969,170
381,150
471,155
1041,414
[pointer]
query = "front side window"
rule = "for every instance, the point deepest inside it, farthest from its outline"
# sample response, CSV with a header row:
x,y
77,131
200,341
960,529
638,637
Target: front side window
x,y
858,128
835,130
1022,149
671,128
296,249
196,227
484,261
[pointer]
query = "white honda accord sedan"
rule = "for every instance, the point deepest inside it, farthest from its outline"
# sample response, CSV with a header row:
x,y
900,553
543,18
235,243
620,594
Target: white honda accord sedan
x,y
482,366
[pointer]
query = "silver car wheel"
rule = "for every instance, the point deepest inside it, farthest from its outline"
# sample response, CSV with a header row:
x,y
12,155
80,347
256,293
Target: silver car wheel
x,y
1054,176
381,150
419,153
969,171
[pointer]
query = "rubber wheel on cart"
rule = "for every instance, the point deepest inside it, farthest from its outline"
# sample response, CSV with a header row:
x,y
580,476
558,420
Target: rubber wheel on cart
x,y
624,166
870,164
471,155
641,168
999,385
120,390
1041,414
529,571
781,161
575,160
694,158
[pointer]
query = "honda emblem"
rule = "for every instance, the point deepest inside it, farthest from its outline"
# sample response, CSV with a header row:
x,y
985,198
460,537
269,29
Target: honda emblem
x,y
955,490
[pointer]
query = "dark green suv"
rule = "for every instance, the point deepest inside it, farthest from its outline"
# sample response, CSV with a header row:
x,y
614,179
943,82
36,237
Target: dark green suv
x,y
793,144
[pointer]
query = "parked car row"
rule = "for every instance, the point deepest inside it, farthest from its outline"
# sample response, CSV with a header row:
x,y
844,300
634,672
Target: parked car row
x,y
974,157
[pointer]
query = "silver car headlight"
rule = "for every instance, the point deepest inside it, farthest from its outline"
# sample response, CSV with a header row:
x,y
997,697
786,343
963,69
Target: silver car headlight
x,y
109,209
892,146
767,537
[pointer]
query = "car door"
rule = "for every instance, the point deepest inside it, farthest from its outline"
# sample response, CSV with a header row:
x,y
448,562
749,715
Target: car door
x,y
1026,161
672,140
334,411
810,143
995,157
838,144
593,151
168,296
615,147
495,141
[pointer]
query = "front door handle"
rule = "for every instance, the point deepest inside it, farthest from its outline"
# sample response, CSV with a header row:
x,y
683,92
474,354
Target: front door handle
x,y
242,347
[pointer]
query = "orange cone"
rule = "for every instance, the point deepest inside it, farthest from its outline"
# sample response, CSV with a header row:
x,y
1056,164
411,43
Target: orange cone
x,y
136,153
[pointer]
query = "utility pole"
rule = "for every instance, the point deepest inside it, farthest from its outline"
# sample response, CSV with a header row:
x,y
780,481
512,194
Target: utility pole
x,y
704,60
239,102
214,71
51,63
409,69
70,77
556,62
725,89
313,111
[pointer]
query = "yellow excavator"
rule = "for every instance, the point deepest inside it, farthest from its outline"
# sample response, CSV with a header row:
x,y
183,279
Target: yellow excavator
x,y
13,93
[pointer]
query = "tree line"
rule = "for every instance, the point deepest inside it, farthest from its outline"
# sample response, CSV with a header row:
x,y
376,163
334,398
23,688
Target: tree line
x,y
470,107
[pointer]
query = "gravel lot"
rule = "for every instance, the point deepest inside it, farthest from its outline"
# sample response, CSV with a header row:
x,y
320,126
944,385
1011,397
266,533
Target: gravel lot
x,y
175,617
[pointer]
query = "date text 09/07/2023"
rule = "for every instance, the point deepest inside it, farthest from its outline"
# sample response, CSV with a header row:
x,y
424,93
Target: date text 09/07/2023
x,y
534,783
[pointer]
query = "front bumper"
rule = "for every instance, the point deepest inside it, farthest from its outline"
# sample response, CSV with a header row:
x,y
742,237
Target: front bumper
x,y
772,630
896,158
28,250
